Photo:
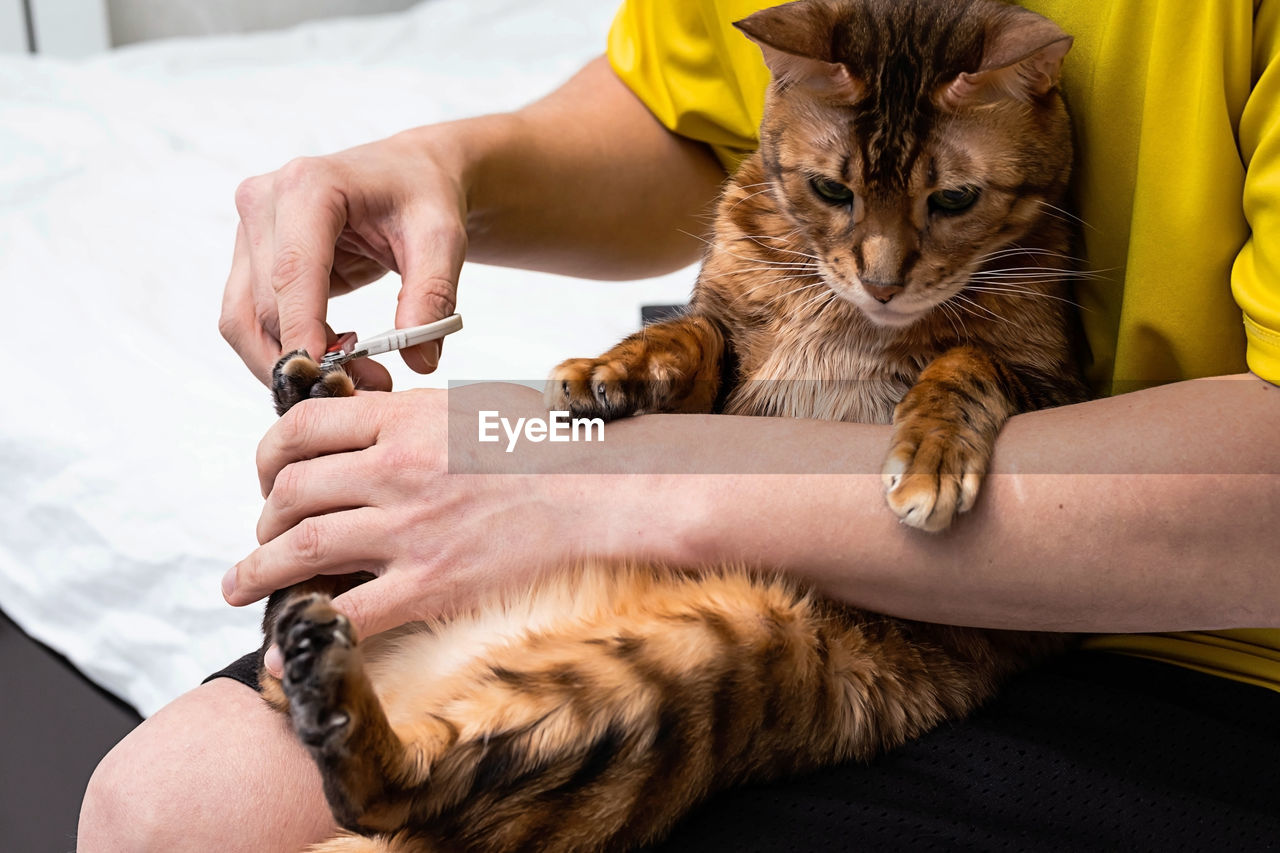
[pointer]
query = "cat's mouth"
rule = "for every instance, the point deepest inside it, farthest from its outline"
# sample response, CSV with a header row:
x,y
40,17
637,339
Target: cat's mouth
x,y
902,309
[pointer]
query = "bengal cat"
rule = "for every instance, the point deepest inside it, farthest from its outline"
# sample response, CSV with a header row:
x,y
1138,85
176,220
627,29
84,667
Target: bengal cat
x,y
894,252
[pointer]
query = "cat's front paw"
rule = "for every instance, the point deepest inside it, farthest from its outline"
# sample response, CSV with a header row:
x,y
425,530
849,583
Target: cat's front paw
x,y
931,475
602,388
318,647
297,377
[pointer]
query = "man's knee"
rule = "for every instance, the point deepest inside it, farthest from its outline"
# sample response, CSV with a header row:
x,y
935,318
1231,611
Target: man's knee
x,y
214,770
124,808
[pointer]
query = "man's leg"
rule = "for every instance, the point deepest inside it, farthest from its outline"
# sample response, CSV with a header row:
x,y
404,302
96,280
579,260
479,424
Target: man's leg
x,y
214,770
1095,751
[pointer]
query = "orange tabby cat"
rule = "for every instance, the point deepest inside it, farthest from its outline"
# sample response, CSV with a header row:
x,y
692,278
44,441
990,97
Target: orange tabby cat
x,y
894,252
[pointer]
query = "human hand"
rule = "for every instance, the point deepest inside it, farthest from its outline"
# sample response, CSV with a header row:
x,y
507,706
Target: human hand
x,y
321,226
364,483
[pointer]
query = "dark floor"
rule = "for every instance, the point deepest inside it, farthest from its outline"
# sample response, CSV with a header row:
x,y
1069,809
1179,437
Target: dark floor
x,y
55,727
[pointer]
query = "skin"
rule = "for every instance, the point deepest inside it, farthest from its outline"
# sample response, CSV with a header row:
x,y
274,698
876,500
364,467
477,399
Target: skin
x,y
1175,486
322,226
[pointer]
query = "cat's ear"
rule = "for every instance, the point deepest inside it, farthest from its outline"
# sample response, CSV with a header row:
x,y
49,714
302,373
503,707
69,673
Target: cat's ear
x,y
1021,59
795,39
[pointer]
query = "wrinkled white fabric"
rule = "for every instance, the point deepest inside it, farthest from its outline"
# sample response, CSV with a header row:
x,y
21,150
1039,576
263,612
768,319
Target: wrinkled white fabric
x,y
128,428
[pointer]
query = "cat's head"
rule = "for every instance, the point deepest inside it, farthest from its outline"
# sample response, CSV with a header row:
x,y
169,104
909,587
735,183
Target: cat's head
x,y
907,140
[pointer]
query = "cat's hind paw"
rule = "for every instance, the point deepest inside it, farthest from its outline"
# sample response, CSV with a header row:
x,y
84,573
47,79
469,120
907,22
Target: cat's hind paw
x,y
297,377
318,647
929,480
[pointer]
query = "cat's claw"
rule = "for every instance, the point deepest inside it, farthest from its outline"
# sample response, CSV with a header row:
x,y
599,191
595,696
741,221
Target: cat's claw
x,y
297,377
316,642
928,496
592,388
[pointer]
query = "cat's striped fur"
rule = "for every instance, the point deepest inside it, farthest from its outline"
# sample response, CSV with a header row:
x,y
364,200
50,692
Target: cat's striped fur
x,y
593,711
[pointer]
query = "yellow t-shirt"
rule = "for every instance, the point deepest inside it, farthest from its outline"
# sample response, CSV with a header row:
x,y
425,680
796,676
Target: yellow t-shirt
x,y
1176,106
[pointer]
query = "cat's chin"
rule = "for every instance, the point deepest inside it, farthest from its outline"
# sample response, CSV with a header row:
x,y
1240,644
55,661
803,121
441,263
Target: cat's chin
x,y
891,319
880,315
886,316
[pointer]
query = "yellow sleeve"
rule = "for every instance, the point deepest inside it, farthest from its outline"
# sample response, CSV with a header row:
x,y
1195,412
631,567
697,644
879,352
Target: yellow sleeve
x,y
697,74
1255,277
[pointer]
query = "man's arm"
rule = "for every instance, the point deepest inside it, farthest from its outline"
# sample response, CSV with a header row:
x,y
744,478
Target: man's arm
x,y
1153,511
585,182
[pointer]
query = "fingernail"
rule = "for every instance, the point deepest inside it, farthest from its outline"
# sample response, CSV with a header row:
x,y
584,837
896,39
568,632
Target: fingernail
x,y
229,582
274,661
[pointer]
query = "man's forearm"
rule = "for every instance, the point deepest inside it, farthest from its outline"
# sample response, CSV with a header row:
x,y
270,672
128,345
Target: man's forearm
x,y
1158,510
583,182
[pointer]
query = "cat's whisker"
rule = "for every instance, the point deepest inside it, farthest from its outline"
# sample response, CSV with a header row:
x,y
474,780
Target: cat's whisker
x,y
965,301
949,311
778,275
770,281
1027,293
780,268
1034,253
750,196
720,247
774,281
765,261
774,300
802,277
1043,269
1037,274
766,184
756,238
697,237
1068,214
786,263
823,300
800,289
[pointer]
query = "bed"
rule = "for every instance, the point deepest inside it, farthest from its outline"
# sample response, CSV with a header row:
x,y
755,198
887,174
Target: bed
x,y
128,429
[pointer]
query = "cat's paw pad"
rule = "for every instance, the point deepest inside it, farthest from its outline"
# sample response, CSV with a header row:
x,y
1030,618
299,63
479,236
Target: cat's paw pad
x,y
599,388
929,480
297,377
318,647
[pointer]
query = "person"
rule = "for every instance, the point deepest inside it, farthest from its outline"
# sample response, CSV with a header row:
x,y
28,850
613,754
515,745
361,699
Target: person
x,y
1148,515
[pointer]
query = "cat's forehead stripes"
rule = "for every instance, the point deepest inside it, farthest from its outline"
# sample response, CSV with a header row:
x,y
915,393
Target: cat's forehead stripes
x,y
902,59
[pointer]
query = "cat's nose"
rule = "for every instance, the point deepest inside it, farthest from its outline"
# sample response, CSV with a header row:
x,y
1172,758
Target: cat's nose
x,y
881,291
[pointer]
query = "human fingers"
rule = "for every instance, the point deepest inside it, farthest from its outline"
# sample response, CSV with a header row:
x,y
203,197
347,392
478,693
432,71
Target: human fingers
x,y
383,603
256,205
352,271
339,543
317,427
316,487
432,249
368,375
239,322
310,212
273,661
379,605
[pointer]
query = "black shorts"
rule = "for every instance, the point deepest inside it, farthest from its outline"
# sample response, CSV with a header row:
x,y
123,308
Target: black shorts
x,y
244,670
1094,751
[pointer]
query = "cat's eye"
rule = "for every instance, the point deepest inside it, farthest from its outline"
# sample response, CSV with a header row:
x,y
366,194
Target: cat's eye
x,y
954,201
832,192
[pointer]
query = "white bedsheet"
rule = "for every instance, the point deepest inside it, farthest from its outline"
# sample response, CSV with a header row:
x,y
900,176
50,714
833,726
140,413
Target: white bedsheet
x,y
127,430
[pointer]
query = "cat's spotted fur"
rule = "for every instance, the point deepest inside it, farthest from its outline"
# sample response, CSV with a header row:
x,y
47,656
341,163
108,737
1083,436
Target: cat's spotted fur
x,y
595,710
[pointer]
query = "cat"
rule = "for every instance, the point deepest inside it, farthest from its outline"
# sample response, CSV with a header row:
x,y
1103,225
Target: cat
x,y
894,252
